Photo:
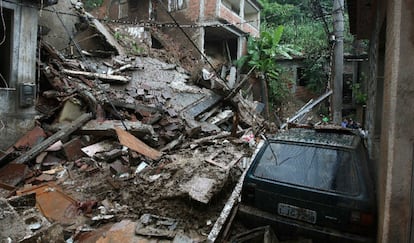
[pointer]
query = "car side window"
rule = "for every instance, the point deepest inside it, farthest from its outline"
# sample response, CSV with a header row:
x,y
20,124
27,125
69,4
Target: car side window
x,y
310,166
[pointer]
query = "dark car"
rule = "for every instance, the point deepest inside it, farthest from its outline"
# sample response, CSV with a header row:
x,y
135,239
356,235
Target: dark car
x,y
312,183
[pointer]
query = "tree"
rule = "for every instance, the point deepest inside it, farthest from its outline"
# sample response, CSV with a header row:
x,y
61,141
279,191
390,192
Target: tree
x,y
262,53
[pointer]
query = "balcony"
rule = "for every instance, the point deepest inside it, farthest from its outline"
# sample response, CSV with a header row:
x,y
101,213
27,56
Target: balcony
x,y
244,14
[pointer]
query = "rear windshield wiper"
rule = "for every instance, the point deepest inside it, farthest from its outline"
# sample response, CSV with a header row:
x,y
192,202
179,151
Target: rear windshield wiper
x,y
271,149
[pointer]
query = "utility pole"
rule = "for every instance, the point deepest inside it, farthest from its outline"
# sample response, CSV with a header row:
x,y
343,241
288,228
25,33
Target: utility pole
x,y
338,28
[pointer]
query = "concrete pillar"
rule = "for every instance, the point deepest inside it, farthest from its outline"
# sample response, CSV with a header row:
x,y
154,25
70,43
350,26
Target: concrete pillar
x,y
397,135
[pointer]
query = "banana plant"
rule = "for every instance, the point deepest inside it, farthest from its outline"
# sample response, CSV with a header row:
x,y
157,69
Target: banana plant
x,y
262,53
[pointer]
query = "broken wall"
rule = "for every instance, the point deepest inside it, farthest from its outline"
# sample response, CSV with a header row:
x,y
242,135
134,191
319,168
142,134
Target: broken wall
x,y
17,111
54,31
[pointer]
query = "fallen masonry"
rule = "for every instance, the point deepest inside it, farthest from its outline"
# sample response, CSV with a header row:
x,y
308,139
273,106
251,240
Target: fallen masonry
x,y
125,151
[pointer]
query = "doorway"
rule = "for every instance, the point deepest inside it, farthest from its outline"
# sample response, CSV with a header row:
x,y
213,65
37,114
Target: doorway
x,y
6,44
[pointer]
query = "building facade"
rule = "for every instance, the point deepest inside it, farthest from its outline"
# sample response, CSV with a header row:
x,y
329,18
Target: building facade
x,y
214,26
18,70
389,26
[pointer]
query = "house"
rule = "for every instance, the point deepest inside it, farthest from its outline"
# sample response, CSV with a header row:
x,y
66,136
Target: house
x,y
215,27
389,26
355,69
18,70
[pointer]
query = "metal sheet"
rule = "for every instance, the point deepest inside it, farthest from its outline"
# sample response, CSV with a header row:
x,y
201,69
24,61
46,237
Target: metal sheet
x,y
53,203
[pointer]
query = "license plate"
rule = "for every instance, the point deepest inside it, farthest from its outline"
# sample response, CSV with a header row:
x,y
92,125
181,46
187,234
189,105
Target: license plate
x,y
296,213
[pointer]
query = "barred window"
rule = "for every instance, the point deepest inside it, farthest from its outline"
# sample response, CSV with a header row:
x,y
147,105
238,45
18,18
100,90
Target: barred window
x,y
174,5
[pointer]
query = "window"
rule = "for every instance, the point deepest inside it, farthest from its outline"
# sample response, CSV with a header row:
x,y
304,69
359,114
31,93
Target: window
x,y
6,47
174,5
302,80
315,167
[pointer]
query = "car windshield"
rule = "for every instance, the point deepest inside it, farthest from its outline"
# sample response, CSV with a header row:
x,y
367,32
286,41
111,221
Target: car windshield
x,y
316,167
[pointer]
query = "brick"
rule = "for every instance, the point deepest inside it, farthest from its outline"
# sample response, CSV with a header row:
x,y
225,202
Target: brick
x,y
72,149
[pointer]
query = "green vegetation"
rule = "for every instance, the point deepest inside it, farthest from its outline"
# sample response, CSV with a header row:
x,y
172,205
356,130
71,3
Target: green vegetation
x,y
91,4
262,53
359,94
306,26
117,35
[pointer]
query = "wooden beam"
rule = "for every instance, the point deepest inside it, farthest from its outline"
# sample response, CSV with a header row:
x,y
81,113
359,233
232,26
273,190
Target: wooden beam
x,y
107,77
66,131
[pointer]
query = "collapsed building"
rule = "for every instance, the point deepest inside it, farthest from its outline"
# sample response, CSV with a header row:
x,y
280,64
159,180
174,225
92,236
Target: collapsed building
x,y
124,144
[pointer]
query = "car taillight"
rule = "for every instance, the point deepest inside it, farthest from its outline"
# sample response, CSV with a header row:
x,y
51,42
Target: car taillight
x,y
248,192
361,218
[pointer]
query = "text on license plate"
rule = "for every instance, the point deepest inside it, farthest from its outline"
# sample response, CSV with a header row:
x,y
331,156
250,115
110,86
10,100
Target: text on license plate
x,y
296,213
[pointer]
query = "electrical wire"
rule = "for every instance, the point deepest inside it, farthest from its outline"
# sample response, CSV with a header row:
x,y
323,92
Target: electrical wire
x,y
3,22
194,44
4,81
140,23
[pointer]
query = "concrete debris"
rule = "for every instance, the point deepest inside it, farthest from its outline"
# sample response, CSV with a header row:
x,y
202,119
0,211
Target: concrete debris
x,y
122,136
199,188
261,234
21,221
101,146
156,226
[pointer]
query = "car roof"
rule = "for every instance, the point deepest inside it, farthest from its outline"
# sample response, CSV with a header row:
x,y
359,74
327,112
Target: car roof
x,y
342,138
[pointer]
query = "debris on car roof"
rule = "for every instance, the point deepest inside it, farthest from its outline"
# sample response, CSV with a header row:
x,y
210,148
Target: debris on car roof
x,y
329,135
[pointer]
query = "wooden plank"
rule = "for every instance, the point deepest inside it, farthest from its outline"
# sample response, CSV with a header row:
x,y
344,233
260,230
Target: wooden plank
x,y
132,142
66,131
206,139
94,127
107,77
216,163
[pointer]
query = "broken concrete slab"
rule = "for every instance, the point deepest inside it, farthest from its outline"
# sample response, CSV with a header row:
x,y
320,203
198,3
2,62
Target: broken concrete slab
x,y
108,36
202,105
36,227
102,146
107,127
199,188
54,234
156,226
12,226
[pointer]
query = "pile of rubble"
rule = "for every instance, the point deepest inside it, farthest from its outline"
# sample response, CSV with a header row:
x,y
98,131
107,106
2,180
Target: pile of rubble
x,y
126,149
